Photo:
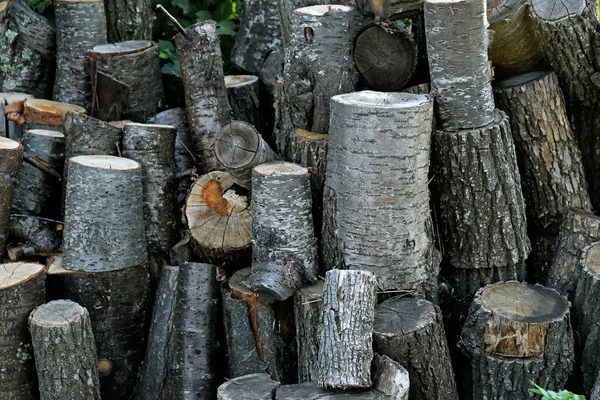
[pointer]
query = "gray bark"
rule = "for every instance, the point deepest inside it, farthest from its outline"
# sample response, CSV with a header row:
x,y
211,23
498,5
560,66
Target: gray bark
x,y
104,223
22,288
243,93
390,377
308,315
135,64
345,347
457,43
11,157
65,353
481,207
239,148
9,128
596,391
410,331
34,232
377,175
28,51
515,333
206,100
248,387
284,246
388,9
79,27
129,20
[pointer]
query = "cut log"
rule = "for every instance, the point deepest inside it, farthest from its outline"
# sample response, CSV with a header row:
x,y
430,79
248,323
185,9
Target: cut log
x,y
457,43
21,290
118,303
248,387
80,25
219,221
479,197
136,65
258,336
243,93
345,347
129,20
159,349
38,189
239,148
65,353
193,370
385,55
38,235
516,333
410,331
46,114
308,315
11,157
498,10
104,223
206,100
389,9
28,48
12,104
377,167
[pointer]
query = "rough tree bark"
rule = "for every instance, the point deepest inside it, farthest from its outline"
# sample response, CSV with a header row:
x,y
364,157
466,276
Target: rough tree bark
x,y
28,48
371,136
38,236
515,333
345,347
308,315
11,157
80,25
129,20
457,43
410,331
239,148
206,100
65,353
133,63
45,114
104,223
284,246
22,288
248,387
12,104
243,92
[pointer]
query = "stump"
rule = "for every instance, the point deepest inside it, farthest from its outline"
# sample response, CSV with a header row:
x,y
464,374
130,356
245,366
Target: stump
x,y
377,167
46,114
21,290
65,353
104,223
134,64
28,49
239,148
515,333
248,387
308,315
11,157
80,25
129,20
284,246
411,332
219,221
12,104
345,347
457,43
206,100
243,92
118,304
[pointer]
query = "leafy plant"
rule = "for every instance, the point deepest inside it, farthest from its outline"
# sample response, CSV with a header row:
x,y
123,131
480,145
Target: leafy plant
x,y
40,6
550,395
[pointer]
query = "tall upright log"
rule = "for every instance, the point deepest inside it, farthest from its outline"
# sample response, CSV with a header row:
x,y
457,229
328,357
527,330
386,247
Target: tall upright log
x,y
457,43
65,353
22,288
12,104
134,64
80,25
45,114
308,315
11,157
243,92
104,223
129,20
206,100
28,48
377,167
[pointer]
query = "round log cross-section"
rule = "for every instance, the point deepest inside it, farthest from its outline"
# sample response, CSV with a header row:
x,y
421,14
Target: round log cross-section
x,y
46,114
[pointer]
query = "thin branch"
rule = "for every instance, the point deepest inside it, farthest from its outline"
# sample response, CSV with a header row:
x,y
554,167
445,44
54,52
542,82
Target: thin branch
x,y
172,18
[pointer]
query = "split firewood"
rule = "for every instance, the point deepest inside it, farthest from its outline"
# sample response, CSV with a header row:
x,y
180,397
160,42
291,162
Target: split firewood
x,y
129,20
243,92
12,104
11,157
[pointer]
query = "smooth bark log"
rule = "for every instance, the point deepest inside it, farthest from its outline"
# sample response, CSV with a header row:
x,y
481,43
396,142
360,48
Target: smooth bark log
x,y
129,20
243,92
248,387
308,315
12,105
11,157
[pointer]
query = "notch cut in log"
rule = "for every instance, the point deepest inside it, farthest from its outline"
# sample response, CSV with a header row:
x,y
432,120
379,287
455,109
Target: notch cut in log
x,y
11,158
129,20
12,104
243,92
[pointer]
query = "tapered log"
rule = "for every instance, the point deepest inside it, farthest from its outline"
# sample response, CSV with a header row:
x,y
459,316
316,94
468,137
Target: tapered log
x,y
258,335
160,338
377,166
27,45
477,180
129,20
239,148
104,223
136,65
457,43
284,246
206,100
388,9
38,189
12,104
36,233
219,221
46,114
184,157
308,315
11,157
65,353
385,55
243,92
248,387
80,25
21,290
515,333
410,331
345,347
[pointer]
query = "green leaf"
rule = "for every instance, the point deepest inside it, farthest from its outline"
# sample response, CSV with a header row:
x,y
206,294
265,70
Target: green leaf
x,y
226,28
172,68
203,15
185,5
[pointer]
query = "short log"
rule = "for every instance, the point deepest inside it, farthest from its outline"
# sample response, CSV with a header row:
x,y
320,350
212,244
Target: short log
x,y
11,158
46,114
243,92
248,387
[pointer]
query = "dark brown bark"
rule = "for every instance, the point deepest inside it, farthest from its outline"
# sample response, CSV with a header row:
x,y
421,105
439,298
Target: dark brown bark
x,y
11,157
248,387
308,315
129,20
243,92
